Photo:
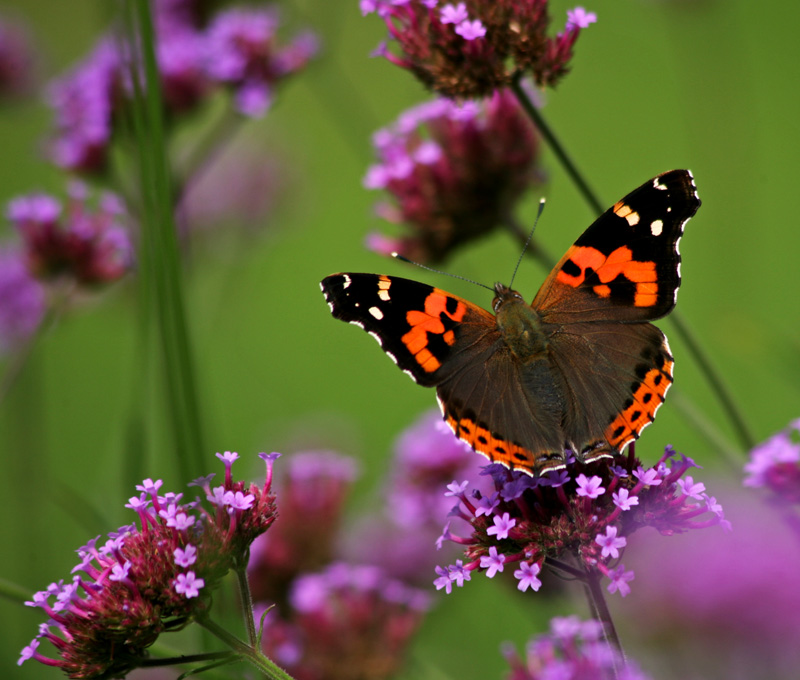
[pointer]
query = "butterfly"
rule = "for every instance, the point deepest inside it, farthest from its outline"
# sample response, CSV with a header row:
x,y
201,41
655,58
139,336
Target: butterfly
x,y
581,368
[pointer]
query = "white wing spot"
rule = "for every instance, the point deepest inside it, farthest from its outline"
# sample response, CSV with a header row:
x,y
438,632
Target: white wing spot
x,y
376,336
658,185
358,323
391,356
656,227
330,304
376,312
409,374
347,280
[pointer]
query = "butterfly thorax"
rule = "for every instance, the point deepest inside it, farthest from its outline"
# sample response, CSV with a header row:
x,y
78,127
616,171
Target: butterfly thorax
x,y
519,324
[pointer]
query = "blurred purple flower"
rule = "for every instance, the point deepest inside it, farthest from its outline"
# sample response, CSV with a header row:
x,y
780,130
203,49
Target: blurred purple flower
x,y
312,495
84,101
572,517
572,650
730,601
17,60
775,465
454,171
473,48
88,245
345,622
22,301
243,52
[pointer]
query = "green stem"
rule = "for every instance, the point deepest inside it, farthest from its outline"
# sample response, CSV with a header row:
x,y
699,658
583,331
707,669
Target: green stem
x,y
561,153
159,252
733,414
247,604
251,654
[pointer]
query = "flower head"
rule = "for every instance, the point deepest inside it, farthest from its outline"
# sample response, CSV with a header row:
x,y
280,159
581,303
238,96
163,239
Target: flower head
x,y
17,60
572,650
85,244
454,172
775,465
583,519
345,621
312,492
136,585
472,48
243,52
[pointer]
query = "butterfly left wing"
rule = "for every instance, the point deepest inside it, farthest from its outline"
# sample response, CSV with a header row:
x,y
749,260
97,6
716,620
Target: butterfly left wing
x,y
421,328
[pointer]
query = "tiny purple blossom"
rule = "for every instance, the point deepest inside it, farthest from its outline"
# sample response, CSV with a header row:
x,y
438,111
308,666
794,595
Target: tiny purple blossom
x,y
527,576
119,572
580,18
619,580
185,557
459,573
610,542
471,30
188,585
649,477
444,580
502,525
456,488
691,488
493,562
453,14
590,487
624,500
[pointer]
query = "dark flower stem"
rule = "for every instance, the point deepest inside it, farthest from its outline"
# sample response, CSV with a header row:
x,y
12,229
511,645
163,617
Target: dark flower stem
x,y
599,607
589,196
709,373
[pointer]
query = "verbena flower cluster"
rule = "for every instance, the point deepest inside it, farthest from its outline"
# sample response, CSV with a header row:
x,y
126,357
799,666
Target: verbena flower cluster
x,y
343,623
775,465
238,49
575,520
472,48
572,650
454,172
22,301
87,245
148,579
17,60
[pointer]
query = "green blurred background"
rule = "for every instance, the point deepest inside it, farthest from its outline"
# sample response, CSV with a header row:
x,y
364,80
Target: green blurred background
x,y
712,86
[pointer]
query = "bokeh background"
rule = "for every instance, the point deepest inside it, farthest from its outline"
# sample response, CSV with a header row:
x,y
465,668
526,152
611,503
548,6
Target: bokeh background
x,y
708,85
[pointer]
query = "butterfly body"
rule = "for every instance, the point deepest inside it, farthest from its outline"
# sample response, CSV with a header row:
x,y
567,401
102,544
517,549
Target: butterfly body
x,y
580,368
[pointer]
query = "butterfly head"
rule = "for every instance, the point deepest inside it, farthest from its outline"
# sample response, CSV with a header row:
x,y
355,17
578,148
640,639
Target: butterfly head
x,y
504,294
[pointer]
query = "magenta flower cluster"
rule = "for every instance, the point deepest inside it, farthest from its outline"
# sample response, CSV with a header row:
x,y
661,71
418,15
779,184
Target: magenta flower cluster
x,y
572,650
88,245
576,521
775,465
151,578
454,172
344,622
472,48
238,50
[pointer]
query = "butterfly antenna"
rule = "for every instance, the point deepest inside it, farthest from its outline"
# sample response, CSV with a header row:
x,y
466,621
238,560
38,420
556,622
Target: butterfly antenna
x,y
402,258
528,242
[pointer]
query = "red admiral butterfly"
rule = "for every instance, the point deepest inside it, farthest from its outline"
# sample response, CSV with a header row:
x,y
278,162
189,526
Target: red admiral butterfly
x,y
580,368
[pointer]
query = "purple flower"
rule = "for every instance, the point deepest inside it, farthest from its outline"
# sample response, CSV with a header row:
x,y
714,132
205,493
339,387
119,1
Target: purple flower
x,y
775,465
454,14
471,30
17,60
344,611
505,38
127,591
242,51
584,521
579,18
493,562
590,487
610,542
22,301
87,244
453,171
527,575
573,650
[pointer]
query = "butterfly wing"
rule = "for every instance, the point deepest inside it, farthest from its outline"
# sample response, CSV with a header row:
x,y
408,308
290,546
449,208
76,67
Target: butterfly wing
x,y
613,366
426,331
626,265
